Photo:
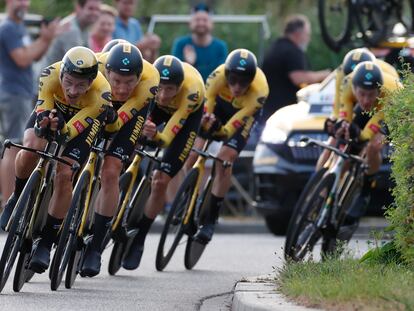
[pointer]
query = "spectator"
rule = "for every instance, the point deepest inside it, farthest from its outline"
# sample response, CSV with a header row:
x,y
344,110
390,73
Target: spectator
x,y
78,24
17,54
286,66
200,48
102,30
128,28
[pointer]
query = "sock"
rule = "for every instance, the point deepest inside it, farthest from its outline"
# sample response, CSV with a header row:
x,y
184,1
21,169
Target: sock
x,y
100,228
19,185
144,226
50,231
215,205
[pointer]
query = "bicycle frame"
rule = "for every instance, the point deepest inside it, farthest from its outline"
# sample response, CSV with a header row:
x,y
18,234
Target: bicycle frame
x,y
335,165
48,154
93,166
132,169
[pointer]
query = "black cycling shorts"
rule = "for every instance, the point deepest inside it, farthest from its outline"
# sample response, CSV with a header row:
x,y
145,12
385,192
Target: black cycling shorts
x,y
177,152
124,141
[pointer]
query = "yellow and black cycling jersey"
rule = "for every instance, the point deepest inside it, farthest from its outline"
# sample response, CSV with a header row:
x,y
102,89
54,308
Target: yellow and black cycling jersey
x,y
348,101
77,116
189,99
140,97
243,108
339,78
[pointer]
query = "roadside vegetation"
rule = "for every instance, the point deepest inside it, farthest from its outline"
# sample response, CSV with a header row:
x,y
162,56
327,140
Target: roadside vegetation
x,y
348,285
383,279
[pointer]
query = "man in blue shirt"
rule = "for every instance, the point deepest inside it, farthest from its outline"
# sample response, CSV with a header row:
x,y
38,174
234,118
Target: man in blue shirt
x,y
17,54
200,48
128,28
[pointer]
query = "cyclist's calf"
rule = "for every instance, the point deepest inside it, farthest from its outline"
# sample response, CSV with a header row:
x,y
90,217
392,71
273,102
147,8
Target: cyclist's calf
x,y
26,161
222,181
62,191
159,185
109,193
111,170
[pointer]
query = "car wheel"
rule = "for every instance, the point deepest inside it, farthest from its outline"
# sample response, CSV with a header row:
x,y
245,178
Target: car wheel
x,y
277,223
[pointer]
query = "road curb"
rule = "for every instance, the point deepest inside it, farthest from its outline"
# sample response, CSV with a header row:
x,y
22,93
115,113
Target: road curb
x,y
260,294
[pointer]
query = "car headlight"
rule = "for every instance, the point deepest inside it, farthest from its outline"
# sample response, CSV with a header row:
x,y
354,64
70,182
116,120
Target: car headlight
x,y
273,135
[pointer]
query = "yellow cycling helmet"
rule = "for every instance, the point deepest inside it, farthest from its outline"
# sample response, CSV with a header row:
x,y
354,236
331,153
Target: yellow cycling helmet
x,y
80,62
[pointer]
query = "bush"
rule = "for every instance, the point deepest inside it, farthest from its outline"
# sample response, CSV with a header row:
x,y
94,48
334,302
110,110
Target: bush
x,y
399,116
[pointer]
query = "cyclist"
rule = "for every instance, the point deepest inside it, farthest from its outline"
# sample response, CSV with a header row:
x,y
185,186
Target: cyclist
x,y
179,102
350,61
235,94
361,119
73,98
133,82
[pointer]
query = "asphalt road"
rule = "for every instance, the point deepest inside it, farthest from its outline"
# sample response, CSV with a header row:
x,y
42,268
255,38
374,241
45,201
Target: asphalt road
x,y
228,259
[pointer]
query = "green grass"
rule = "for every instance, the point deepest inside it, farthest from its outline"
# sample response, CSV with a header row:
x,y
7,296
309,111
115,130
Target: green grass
x,y
348,285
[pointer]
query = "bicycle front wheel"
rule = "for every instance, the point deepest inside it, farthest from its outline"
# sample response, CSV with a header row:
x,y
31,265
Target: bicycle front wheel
x,y
22,273
372,20
115,261
335,22
21,218
68,235
173,227
301,204
308,233
195,249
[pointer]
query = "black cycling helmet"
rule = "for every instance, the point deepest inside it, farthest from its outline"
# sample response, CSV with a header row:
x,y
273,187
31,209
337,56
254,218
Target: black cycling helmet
x,y
81,62
241,65
171,70
125,59
111,44
367,75
354,57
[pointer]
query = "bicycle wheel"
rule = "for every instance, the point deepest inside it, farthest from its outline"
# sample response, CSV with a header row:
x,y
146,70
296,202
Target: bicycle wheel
x,y
138,203
372,20
115,261
72,269
124,182
173,227
132,216
308,231
404,13
350,191
22,272
335,22
68,233
23,211
195,249
292,231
